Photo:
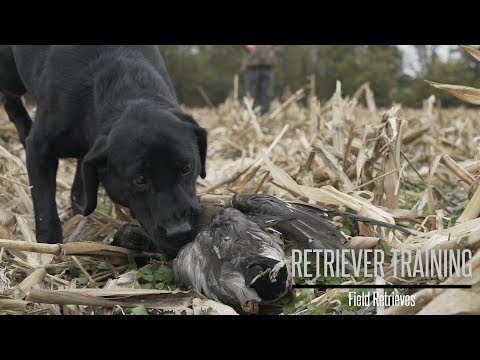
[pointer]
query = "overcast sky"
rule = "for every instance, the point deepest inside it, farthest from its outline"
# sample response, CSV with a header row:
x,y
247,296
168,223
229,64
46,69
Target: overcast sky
x,y
410,61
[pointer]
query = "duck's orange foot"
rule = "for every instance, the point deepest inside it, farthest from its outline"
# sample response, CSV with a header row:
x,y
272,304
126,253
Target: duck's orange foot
x,y
292,293
250,307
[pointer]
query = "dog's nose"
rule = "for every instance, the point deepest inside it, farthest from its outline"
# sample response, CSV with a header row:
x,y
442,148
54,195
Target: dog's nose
x,y
178,229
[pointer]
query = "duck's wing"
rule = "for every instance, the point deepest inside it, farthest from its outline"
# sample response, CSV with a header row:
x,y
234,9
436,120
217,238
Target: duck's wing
x,y
307,229
319,209
262,206
236,236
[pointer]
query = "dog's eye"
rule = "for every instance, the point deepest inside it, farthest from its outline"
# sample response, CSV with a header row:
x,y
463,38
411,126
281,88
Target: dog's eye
x,y
139,180
186,168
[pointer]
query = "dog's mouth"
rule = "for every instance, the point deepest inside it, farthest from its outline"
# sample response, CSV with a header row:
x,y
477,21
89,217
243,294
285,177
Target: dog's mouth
x,y
169,237
137,238
171,245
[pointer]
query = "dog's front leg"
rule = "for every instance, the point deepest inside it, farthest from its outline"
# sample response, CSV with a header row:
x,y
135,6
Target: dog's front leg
x,y
42,170
19,116
76,195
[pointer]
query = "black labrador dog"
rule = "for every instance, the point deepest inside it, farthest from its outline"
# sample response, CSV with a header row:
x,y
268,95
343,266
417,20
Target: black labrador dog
x,y
113,108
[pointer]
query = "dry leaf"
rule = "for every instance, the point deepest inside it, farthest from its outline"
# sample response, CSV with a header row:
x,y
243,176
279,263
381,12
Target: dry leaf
x,y
202,306
465,93
475,53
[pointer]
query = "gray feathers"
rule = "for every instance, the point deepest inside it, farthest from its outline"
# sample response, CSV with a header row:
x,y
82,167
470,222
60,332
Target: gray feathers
x,y
229,258
304,226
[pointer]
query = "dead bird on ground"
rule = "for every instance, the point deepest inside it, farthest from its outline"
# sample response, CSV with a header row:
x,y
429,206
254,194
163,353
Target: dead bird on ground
x,y
234,261
235,257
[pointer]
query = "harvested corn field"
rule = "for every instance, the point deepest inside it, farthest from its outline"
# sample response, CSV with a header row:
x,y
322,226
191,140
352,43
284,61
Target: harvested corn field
x,y
413,167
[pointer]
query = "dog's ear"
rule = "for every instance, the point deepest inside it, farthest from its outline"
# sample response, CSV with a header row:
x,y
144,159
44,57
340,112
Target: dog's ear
x,y
202,146
91,163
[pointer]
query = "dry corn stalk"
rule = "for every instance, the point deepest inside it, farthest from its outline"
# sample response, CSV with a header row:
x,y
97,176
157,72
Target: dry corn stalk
x,y
391,154
465,93
76,248
471,95
294,169
159,299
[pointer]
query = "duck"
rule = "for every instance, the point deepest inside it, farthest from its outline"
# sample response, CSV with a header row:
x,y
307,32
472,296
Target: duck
x,y
234,261
237,256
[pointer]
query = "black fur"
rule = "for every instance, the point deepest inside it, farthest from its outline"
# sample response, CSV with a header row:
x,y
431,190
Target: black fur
x,y
113,108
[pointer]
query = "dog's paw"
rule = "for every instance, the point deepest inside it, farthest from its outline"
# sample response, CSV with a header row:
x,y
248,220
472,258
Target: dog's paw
x,y
132,237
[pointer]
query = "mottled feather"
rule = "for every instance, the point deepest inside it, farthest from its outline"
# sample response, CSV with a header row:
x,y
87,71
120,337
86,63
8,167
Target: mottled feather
x,y
228,260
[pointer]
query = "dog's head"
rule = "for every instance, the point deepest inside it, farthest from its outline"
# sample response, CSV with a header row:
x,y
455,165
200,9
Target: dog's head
x,y
149,162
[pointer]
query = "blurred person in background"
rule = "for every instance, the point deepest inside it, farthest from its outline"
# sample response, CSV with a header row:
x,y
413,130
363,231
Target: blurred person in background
x,y
258,66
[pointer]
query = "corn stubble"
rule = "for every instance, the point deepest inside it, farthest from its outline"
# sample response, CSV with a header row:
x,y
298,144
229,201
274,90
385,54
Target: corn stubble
x,y
339,153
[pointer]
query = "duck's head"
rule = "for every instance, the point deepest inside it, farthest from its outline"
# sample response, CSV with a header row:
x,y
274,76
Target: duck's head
x,y
269,277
